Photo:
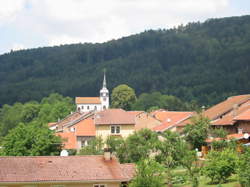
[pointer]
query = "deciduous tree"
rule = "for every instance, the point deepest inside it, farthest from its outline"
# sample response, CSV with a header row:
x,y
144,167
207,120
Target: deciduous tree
x,y
123,97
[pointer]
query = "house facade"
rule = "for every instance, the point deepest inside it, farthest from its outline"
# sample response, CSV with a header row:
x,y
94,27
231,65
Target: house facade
x,y
114,122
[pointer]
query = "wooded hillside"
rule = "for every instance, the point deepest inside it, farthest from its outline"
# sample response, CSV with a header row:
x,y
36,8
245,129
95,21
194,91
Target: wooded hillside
x,y
200,61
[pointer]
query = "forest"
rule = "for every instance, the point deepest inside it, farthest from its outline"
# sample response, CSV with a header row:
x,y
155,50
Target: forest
x,y
199,62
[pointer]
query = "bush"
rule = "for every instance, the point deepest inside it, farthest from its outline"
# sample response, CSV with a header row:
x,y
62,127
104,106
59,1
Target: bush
x,y
220,165
244,168
149,173
179,178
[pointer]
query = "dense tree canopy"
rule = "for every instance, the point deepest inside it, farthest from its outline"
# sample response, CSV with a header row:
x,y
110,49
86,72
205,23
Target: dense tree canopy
x,y
50,109
123,97
31,140
197,131
205,62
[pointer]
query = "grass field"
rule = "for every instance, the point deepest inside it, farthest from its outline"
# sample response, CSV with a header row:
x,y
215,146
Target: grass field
x,y
204,182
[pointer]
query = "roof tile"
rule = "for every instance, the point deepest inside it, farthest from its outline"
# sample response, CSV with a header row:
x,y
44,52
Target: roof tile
x,y
87,100
56,168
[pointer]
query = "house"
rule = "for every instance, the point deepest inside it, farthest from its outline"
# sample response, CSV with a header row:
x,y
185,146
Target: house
x,y
87,104
114,122
171,120
77,129
64,171
232,114
144,120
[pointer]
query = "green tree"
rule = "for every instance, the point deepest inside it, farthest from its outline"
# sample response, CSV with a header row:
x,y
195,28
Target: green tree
x,y
31,140
188,159
95,147
140,145
220,165
114,143
123,97
149,173
197,131
30,111
244,168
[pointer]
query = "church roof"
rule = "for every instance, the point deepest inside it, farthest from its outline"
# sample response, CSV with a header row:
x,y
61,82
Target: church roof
x,y
87,100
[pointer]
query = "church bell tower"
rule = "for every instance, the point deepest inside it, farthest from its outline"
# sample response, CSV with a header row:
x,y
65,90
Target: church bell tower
x,y
104,94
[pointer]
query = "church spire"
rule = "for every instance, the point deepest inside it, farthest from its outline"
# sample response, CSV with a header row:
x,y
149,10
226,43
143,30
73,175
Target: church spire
x,y
104,80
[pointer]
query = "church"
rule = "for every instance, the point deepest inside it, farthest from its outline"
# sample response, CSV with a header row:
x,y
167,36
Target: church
x,y
87,104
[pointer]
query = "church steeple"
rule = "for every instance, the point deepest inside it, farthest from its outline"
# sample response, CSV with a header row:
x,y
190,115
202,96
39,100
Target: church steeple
x,y
104,85
104,93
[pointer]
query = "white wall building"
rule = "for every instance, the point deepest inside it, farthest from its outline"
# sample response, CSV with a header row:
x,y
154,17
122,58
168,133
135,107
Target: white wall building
x,y
86,104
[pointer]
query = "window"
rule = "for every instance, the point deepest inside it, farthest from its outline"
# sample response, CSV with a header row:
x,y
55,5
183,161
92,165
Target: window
x,y
104,99
79,109
82,107
84,143
95,107
115,129
88,107
99,185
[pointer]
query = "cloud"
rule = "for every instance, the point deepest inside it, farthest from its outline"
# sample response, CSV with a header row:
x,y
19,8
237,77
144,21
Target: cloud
x,y
74,21
62,39
9,9
17,47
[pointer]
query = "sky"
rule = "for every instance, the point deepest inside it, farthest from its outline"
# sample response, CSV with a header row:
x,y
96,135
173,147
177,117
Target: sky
x,y
36,23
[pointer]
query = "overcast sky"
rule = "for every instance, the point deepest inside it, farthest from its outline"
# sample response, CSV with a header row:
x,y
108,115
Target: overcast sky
x,y
37,23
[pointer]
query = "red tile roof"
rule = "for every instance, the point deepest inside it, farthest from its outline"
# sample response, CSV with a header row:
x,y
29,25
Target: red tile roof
x,y
128,170
170,119
225,106
87,100
231,117
235,136
68,119
69,139
59,169
114,116
52,124
244,116
135,113
85,127
229,137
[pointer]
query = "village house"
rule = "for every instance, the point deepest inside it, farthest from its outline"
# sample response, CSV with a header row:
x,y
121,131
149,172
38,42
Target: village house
x,y
64,171
114,122
143,120
77,129
171,120
232,115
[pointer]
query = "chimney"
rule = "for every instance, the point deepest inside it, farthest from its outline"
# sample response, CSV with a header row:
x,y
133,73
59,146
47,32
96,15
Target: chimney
x,y
235,109
107,154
